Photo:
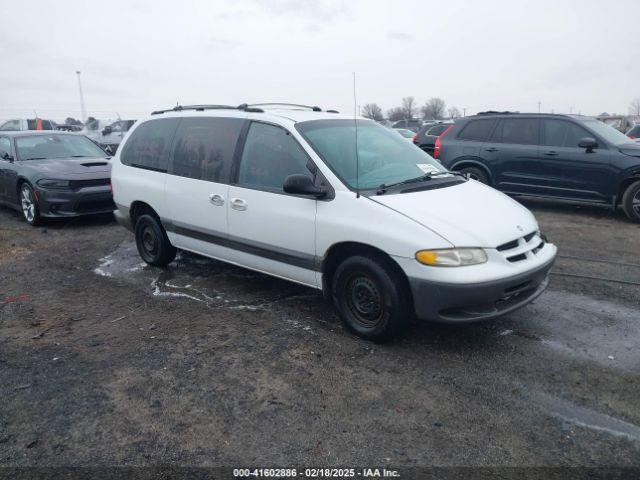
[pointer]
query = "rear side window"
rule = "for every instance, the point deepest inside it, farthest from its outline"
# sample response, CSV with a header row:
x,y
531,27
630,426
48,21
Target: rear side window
x,y
204,148
149,145
634,132
521,131
477,130
270,155
438,129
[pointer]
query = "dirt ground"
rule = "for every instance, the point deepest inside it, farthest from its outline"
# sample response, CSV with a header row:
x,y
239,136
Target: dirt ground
x,y
105,361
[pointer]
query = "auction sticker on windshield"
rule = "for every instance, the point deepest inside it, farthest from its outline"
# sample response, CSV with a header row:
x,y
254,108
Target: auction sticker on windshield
x,y
427,167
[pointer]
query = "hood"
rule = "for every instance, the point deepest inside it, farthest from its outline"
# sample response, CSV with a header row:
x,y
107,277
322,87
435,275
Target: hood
x,y
54,167
631,149
468,214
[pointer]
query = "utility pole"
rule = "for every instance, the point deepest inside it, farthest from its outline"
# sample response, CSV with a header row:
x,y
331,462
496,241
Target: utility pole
x,y
464,111
539,104
83,110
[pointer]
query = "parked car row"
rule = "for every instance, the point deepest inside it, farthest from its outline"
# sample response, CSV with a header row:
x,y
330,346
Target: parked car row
x,y
340,204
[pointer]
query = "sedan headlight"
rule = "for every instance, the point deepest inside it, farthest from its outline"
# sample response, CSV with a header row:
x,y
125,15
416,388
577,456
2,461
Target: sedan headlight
x,y
452,257
53,183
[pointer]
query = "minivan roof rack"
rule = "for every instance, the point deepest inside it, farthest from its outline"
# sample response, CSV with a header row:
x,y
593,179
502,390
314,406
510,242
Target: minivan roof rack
x,y
202,108
314,108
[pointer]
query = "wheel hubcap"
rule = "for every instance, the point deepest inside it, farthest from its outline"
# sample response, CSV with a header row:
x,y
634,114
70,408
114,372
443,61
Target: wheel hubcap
x,y
28,206
149,241
365,301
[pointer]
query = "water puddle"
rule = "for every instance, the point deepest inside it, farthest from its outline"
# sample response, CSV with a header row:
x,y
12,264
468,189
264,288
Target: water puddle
x,y
587,418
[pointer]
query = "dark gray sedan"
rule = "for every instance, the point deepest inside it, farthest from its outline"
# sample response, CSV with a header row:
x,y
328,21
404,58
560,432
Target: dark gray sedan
x,y
53,174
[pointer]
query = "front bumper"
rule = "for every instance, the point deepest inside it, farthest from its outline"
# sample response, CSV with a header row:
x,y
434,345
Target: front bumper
x,y
460,303
70,203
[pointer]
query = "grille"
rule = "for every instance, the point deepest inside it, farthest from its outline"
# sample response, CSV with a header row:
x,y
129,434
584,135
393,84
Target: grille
x,y
95,182
520,249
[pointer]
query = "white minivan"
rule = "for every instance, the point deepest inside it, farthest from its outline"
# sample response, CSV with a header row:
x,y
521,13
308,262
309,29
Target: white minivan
x,y
337,203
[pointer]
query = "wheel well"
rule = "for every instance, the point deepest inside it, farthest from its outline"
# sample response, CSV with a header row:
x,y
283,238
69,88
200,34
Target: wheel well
x,y
21,180
635,177
140,208
470,163
341,251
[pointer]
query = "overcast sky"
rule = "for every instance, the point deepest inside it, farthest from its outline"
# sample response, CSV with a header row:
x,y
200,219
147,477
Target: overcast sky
x,y
137,56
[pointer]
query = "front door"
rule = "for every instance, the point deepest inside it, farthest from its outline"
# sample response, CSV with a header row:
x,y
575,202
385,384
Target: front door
x,y
197,188
272,231
568,171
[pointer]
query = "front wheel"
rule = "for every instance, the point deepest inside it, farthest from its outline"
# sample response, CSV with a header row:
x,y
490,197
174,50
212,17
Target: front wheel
x,y
372,297
152,242
29,205
631,201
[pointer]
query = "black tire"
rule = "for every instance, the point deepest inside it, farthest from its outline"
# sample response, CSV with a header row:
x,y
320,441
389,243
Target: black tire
x,y
631,201
152,241
372,297
29,205
476,174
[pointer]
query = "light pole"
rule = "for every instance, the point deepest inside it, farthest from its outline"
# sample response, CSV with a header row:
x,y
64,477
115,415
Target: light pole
x,y
464,111
83,110
539,104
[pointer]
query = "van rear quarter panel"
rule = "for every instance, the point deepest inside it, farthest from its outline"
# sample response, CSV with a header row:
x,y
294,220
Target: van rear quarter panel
x,y
132,184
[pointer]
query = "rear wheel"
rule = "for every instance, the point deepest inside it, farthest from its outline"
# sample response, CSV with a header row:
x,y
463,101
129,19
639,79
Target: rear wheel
x,y
152,242
476,174
29,205
372,297
631,201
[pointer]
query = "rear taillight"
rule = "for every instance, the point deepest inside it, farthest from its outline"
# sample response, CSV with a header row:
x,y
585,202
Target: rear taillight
x,y
415,138
438,145
632,137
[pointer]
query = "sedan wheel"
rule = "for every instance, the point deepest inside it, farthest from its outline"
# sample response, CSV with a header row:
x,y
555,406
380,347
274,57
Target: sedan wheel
x,y
29,205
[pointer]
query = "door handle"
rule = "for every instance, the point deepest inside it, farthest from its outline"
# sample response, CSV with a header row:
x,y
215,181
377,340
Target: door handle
x,y
238,204
551,153
216,199
491,149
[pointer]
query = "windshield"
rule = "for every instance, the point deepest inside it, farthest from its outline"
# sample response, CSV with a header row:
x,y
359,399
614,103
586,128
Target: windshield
x,y
610,134
35,147
384,157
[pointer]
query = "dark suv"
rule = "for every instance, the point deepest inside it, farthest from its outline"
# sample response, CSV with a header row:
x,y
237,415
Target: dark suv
x,y
558,156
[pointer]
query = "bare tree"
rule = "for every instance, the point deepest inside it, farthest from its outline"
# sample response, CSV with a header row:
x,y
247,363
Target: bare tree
x,y
634,107
409,107
434,109
453,112
372,111
396,113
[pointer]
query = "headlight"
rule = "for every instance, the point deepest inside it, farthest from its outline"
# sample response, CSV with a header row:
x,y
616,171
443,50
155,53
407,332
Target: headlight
x,y
52,183
453,257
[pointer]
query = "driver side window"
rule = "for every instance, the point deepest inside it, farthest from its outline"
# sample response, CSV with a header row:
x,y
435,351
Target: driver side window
x,y
5,147
269,156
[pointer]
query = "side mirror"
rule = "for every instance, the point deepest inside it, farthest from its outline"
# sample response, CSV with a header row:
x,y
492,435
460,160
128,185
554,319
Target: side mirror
x,y
300,184
588,143
108,150
106,131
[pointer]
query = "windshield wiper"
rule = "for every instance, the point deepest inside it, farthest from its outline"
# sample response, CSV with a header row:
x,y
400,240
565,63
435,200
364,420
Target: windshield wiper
x,y
36,158
427,176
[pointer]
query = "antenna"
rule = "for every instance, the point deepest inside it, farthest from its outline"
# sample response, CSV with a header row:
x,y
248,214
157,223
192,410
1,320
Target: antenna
x,y
355,123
